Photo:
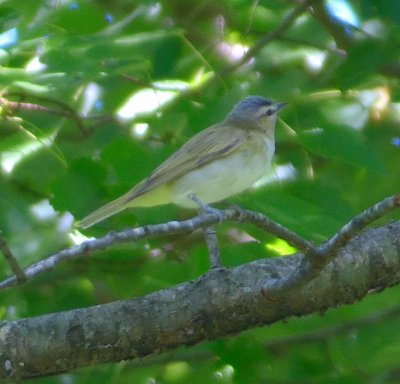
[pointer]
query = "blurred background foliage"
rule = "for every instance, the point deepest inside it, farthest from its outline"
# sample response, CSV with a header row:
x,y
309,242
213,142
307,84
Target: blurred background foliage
x,y
95,94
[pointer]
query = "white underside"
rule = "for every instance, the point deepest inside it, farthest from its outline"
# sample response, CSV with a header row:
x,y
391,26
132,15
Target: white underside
x,y
225,177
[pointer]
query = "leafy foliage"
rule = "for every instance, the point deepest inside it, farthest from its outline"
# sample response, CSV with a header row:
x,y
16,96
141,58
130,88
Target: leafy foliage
x,y
337,152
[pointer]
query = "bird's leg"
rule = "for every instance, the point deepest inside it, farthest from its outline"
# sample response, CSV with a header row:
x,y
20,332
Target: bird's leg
x,y
210,235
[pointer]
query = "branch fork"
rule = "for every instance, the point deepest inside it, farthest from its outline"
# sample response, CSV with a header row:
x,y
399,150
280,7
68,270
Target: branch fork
x,y
314,260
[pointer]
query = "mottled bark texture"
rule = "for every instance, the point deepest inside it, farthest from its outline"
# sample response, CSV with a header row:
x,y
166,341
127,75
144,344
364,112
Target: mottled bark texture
x,y
221,302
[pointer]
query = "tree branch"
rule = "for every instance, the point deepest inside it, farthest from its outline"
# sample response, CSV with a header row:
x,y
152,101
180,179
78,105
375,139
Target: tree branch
x,y
316,257
221,302
203,220
286,23
11,260
261,43
62,110
66,111
337,30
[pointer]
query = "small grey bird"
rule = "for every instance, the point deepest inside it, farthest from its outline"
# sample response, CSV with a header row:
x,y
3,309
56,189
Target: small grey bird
x,y
216,163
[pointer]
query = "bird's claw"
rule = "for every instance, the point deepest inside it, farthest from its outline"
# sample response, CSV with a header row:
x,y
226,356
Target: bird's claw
x,y
207,209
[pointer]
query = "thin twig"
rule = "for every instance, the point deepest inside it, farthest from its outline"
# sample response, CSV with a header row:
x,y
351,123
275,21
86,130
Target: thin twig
x,y
316,259
358,223
12,261
270,226
132,235
64,111
129,235
286,22
313,262
337,30
210,237
69,112
17,105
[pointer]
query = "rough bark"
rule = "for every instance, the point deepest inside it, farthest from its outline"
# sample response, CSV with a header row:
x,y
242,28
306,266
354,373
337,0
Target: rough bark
x,y
221,302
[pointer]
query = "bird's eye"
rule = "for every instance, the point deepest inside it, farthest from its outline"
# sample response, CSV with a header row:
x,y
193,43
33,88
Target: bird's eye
x,y
269,112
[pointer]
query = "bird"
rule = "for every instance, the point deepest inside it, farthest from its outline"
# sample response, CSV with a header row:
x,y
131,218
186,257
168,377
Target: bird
x,y
218,162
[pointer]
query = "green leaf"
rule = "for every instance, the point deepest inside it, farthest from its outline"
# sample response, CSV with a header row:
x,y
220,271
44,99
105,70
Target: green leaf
x,y
364,60
78,188
341,144
132,161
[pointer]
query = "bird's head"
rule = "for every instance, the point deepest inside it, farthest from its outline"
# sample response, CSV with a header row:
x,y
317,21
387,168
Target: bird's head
x,y
255,112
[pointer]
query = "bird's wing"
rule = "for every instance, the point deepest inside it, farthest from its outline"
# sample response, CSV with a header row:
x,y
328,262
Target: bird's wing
x,y
201,149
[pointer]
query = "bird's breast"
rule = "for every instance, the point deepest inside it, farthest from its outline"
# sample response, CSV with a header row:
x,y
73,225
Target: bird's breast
x,y
227,175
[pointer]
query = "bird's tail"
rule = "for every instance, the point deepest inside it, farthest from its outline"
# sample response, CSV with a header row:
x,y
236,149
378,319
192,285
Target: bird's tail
x,y
105,211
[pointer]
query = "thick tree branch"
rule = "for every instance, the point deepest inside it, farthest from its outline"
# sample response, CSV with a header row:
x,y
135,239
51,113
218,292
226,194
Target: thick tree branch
x,y
221,302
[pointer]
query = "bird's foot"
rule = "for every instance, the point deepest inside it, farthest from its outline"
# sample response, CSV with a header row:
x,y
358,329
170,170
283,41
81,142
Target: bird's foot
x,y
207,209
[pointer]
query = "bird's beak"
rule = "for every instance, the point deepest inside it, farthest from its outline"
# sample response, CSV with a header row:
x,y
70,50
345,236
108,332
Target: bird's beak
x,y
279,106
